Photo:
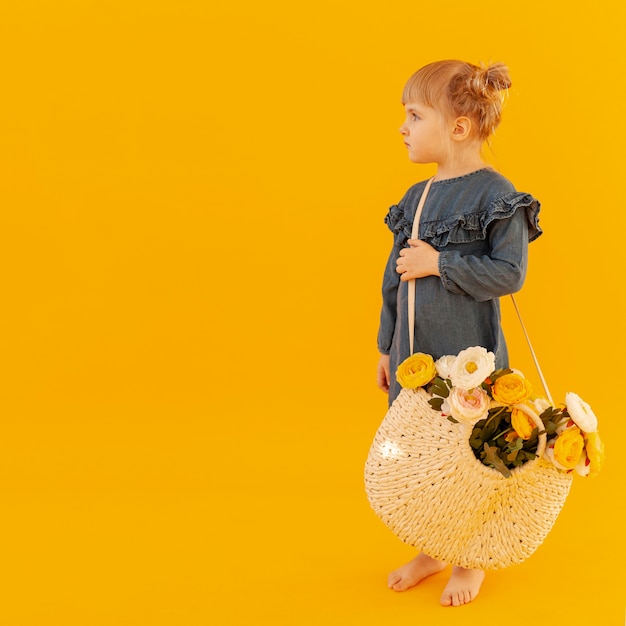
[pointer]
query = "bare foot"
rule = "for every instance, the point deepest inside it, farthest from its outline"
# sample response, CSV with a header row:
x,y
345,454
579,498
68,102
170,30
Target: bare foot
x,y
414,572
463,586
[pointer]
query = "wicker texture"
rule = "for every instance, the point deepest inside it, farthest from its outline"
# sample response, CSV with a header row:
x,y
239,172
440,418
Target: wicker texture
x,y
423,480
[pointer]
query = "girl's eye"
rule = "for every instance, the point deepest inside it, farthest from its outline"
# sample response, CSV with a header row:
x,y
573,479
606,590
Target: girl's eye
x,y
414,117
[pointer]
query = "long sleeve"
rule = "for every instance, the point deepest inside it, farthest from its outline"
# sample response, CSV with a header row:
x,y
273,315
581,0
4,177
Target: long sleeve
x,y
490,276
388,314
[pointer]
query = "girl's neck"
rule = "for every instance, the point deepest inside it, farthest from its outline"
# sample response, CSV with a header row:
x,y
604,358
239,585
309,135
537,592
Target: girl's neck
x,y
461,159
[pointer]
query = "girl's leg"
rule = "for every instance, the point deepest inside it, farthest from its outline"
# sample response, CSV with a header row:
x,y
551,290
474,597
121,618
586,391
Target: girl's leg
x,y
414,572
463,586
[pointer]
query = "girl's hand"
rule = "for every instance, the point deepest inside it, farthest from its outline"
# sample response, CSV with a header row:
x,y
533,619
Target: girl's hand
x,y
382,379
418,261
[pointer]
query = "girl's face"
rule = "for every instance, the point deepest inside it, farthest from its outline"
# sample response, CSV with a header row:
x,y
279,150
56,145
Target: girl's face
x,y
423,133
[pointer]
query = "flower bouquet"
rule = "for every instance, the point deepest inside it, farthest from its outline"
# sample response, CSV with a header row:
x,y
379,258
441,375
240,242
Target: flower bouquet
x,y
469,467
506,421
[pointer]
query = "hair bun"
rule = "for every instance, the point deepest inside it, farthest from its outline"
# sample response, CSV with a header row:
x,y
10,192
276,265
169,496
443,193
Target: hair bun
x,y
487,81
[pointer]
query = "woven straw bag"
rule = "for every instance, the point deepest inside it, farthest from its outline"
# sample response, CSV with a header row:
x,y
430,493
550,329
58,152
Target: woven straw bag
x,y
424,482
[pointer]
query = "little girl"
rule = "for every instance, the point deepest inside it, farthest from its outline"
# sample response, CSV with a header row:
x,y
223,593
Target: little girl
x,y
471,249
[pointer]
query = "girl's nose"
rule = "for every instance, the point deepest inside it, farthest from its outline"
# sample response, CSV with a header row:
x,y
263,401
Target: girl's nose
x,y
402,129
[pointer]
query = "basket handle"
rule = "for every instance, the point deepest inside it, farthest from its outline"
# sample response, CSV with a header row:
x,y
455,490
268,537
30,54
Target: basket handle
x,y
411,297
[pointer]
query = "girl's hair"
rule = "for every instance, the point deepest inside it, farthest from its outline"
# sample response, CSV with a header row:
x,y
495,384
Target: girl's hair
x,y
460,89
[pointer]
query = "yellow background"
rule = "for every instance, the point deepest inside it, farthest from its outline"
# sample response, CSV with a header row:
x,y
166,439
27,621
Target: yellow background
x,y
192,245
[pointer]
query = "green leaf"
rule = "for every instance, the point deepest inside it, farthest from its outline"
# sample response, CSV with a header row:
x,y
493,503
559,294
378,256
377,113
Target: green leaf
x,y
499,410
439,387
550,414
512,456
551,428
492,458
477,435
476,443
501,442
436,403
493,422
498,373
452,419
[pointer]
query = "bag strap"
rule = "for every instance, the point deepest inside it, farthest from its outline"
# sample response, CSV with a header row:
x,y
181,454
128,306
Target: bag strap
x,y
411,286
411,297
532,352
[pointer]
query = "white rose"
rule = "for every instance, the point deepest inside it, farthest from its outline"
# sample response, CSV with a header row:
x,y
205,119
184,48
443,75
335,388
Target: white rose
x,y
468,406
443,365
471,367
581,413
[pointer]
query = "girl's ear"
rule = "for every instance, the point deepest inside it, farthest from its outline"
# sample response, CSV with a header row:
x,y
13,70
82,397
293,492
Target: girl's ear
x,y
462,128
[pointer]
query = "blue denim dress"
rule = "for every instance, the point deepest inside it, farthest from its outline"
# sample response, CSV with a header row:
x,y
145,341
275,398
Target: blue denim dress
x,y
481,226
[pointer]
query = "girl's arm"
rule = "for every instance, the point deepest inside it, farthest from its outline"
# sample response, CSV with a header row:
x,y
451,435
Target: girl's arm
x,y
490,276
391,280
382,378
482,277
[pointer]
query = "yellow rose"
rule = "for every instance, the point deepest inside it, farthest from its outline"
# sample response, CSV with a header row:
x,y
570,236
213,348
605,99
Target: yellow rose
x,y
594,447
416,371
522,423
568,448
511,389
